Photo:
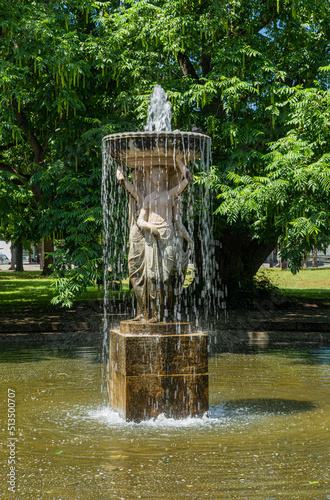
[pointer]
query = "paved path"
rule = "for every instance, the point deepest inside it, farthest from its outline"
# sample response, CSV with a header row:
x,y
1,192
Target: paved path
x,y
84,324
26,267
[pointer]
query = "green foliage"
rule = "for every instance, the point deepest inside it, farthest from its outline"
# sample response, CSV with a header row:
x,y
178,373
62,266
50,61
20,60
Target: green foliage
x,y
71,279
250,292
293,196
74,215
18,216
252,74
57,102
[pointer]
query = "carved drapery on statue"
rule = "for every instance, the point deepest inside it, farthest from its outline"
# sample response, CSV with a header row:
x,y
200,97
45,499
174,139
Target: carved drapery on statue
x,y
157,262
165,267
136,258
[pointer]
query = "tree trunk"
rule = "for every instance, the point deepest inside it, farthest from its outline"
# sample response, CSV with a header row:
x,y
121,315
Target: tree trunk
x,y
314,257
236,261
255,255
19,257
284,264
305,261
47,246
42,254
240,257
271,259
12,251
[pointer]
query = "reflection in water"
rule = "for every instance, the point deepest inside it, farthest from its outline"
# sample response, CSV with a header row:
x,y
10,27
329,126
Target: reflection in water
x,y
317,356
267,405
266,437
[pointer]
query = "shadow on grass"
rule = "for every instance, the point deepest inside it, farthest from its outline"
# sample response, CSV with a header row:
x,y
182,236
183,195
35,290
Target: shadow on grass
x,y
26,275
20,292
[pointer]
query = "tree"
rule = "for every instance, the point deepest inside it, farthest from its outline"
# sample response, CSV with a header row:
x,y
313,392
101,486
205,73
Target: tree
x,y
74,216
57,102
236,69
294,191
55,91
18,221
240,70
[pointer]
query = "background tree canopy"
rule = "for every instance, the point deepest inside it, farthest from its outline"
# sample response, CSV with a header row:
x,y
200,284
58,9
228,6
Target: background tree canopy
x,y
252,74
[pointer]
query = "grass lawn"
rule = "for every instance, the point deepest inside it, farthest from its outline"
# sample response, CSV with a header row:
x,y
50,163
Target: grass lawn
x,y
29,288
312,283
21,289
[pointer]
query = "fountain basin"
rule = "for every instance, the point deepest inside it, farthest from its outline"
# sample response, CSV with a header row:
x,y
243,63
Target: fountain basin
x,y
142,149
266,436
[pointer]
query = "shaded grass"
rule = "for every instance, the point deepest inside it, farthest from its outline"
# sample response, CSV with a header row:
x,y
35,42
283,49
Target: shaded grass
x,y
21,289
31,289
308,294
308,284
26,275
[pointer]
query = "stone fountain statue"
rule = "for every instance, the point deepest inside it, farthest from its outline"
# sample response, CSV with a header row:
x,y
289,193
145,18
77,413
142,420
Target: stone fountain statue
x,y
157,260
152,167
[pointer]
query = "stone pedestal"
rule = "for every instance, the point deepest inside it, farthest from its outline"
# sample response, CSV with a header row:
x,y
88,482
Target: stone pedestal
x,y
155,370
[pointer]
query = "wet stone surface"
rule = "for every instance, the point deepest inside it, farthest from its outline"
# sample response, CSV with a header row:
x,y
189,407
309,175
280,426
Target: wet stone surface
x,y
158,374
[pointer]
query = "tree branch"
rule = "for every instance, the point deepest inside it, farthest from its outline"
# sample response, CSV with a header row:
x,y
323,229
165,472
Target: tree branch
x,y
264,20
31,138
187,66
7,168
22,178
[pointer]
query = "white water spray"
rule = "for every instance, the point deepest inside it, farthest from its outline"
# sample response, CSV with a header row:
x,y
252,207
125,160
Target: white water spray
x,y
159,112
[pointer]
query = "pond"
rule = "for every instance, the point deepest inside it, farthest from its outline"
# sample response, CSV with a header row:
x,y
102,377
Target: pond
x,y
267,435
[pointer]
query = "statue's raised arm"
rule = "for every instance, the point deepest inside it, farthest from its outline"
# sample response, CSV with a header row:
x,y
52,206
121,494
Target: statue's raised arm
x,y
126,184
188,179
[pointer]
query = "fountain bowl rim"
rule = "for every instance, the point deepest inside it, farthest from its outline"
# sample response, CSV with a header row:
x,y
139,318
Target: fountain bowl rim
x,y
162,133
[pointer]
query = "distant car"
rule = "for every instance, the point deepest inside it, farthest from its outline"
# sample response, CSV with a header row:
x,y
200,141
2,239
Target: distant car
x,y
4,259
26,259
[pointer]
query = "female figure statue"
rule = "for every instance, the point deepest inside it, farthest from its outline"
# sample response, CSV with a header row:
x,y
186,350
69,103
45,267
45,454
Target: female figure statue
x,y
164,232
156,260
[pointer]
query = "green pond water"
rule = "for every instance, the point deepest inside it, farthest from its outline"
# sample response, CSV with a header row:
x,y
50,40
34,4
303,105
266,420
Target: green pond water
x,y
267,436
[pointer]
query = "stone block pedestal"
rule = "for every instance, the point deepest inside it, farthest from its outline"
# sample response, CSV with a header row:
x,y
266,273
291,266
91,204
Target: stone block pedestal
x,y
158,372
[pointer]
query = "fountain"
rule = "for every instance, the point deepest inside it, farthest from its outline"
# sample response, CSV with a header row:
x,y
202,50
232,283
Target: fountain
x,y
158,365
267,433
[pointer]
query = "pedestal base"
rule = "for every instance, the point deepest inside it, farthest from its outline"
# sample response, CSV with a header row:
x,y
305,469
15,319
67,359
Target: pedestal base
x,y
157,374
